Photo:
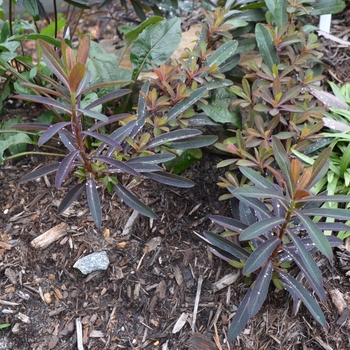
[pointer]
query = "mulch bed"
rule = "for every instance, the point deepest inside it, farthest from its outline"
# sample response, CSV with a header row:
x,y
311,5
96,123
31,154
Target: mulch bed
x,y
162,287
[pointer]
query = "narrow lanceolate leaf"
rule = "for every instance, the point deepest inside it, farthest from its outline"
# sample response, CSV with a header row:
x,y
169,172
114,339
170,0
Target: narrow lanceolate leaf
x,y
324,198
45,101
340,214
133,202
170,179
260,289
93,201
256,178
316,286
30,126
195,142
332,226
226,245
186,103
241,318
283,162
84,83
118,164
260,255
260,192
320,167
309,266
316,235
108,97
76,76
111,119
68,140
305,296
52,130
65,166
173,136
141,106
71,196
256,205
145,167
103,138
92,114
153,159
229,223
221,54
45,170
266,45
260,228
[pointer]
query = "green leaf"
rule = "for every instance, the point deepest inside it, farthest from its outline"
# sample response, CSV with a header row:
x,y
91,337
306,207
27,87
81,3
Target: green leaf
x,y
256,178
104,67
226,245
186,103
316,235
283,162
260,255
184,161
32,7
49,30
221,54
266,45
218,107
129,198
295,287
280,14
17,141
155,44
5,325
260,289
35,36
260,228
133,34
324,7
82,4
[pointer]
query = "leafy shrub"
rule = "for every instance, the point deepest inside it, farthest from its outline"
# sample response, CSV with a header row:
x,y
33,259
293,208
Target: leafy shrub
x,y
273,222
96,157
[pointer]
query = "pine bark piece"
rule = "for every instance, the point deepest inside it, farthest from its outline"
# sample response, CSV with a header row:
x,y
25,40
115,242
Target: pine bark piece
x,y
50,236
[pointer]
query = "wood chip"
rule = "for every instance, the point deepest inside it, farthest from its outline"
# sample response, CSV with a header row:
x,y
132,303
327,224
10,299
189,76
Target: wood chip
x,y
50,236
96,334
196,302
181,321
79,328
11,275
338,300
200,342
226,281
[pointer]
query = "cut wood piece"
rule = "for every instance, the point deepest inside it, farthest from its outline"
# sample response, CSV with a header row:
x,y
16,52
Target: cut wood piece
x,y
50,236
226,281
338,300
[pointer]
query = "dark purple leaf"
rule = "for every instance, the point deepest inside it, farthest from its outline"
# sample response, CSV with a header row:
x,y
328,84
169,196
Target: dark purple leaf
x,y
186,103
111,119
340,214
260,228
141,106
305,296
194,142
228,223
332,226
83,83
260,289
145,167
246,213
129,198
68,140
316,286
226,245
283,162
260,255
93,201
256,178
170,179
93,114
45,101
108,97
71,196
153,159
52,130
307,265
47,169
106,139
30,126
315,234
65,166
118,164
241,318
173,136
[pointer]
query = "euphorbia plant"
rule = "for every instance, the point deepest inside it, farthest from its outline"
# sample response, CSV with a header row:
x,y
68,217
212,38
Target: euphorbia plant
x,y
95,157
275,231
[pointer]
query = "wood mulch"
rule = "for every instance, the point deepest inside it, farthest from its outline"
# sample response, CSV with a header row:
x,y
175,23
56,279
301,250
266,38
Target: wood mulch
x,y
163,289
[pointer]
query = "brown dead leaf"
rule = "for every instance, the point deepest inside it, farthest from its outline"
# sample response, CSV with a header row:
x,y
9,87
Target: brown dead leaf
x,y
201,342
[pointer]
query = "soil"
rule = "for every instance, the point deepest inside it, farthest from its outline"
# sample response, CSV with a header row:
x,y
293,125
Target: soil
x,y
159,289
